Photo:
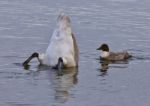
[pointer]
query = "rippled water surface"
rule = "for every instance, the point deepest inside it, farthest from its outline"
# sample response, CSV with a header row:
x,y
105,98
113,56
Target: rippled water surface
x,y
27,25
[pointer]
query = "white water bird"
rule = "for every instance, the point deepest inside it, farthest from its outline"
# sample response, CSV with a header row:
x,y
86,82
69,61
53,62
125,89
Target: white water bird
x,y
112,56
62,50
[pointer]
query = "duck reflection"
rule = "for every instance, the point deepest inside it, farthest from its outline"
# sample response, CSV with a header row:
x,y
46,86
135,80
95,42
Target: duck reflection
x,y
105,65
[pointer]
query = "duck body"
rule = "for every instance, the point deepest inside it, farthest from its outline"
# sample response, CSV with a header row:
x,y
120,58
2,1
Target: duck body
x,y
117,56
112,56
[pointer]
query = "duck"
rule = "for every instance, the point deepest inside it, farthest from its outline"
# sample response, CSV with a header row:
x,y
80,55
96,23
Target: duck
x,y
62,51
112,56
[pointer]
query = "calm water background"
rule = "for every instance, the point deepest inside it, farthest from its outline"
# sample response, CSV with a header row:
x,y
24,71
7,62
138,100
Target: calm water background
x,y
27,25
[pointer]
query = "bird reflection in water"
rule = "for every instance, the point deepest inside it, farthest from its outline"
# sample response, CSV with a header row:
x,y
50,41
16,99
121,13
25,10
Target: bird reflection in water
x,y
66,79
61,81
105,65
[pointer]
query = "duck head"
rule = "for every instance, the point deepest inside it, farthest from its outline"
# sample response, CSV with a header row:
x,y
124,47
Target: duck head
x,y
105,51
104,47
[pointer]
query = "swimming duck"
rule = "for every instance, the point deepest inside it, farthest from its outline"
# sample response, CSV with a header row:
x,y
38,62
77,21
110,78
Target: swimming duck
x,y
62,50
111,56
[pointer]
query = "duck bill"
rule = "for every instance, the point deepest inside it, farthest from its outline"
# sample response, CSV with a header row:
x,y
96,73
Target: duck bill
x,y
98,48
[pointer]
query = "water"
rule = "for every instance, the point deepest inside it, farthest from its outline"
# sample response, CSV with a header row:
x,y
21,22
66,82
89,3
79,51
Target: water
x,y
27,25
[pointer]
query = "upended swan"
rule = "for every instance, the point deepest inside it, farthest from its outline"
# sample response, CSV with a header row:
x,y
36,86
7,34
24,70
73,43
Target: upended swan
x,y
62,50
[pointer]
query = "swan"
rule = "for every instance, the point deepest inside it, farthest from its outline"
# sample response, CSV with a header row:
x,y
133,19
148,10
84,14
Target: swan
x,y
63,50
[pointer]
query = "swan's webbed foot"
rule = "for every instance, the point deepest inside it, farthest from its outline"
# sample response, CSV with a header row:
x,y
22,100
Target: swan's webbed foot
x,y
25,63
60,64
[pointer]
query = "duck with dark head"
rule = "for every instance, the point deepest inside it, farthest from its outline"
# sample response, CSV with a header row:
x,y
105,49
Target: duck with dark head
x,y
112,56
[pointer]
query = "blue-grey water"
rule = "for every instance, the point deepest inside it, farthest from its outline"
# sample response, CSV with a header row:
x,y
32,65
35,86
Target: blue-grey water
x,y
27,25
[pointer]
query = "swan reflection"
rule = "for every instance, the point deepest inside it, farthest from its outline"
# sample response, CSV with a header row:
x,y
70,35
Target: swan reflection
x,y
66,79
61,82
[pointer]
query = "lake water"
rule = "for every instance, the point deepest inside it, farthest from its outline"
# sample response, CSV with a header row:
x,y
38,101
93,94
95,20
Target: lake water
x,y
27,25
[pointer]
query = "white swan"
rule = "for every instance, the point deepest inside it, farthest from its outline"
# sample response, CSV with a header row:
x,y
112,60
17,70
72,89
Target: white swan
x,y
62,50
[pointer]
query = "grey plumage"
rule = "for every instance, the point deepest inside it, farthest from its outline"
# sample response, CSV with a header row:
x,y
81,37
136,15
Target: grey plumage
x,y
118,56
112,56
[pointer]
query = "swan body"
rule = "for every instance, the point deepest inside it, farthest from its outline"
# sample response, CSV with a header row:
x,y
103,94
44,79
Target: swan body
x,y
62,46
